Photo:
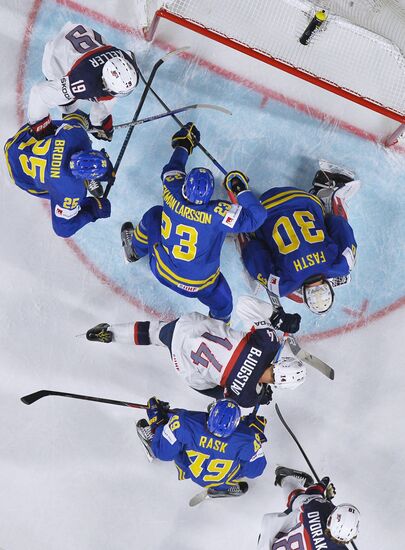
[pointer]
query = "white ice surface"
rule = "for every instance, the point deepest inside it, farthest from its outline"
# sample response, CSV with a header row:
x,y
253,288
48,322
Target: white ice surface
x,y
73,475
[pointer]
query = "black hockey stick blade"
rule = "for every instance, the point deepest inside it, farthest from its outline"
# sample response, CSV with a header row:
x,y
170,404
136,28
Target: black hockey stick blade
x,y
32,397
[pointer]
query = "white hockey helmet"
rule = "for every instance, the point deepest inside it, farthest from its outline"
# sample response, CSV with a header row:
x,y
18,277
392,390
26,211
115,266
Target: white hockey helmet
x,y
289,373
120,76
343,523
318,297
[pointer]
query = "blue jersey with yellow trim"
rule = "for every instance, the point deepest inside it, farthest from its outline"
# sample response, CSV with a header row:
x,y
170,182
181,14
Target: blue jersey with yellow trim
x,y
302,241
193,235
41,168
208,460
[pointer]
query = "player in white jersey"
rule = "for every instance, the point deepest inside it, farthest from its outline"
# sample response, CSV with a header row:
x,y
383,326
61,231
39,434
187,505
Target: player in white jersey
x,y
217,360
79,64
311,521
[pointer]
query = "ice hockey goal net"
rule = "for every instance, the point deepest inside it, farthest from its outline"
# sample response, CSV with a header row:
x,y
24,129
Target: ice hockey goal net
x,y
358,53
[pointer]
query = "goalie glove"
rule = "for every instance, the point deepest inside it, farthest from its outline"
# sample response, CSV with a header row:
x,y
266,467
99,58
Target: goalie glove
x,y
187,137
236,182
286,322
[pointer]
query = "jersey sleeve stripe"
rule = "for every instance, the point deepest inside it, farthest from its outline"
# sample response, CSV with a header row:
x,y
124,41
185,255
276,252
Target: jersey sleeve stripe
x,y
287,196
168,274
7,146
239,348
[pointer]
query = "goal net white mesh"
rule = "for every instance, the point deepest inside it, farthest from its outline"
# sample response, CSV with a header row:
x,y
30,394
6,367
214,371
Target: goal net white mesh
x,y
359,49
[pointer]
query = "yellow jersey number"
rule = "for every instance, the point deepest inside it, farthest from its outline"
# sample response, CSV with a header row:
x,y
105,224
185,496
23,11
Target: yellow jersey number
x,y
31,165
218,467
304,220
187,248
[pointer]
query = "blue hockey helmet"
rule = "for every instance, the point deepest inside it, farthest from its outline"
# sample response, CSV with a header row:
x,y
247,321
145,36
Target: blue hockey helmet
x,y
88,164
223,418
198,186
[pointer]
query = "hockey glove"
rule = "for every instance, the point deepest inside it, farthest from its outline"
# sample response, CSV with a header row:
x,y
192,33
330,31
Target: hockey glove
x,y
100,333
267,395
79,117
258,424
187,137
330,490
236,182
99,208
104,131
157,413
43,128
286,322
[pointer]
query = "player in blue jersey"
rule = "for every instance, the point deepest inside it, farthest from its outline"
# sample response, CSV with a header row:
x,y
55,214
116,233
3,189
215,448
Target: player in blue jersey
x,y
306,245
61,168
183,239
311,521
78,64
214,449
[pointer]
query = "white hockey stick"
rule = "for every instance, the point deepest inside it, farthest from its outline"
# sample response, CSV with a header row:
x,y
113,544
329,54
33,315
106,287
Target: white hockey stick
x,y
198,498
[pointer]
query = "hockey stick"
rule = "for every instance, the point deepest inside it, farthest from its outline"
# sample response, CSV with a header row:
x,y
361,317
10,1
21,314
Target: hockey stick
x,y
169,113
289,430
145,92
179,122
33,397
305,356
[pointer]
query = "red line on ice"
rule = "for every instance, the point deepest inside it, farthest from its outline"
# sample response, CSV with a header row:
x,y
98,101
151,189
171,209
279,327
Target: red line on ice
x,y
265,92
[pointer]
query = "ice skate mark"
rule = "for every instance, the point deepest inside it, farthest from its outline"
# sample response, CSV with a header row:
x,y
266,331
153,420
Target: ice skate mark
x,y
358,313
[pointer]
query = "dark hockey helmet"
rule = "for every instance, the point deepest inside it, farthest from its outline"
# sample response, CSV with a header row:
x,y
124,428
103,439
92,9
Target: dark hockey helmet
x,y
318,294
88,164
198,186
223,418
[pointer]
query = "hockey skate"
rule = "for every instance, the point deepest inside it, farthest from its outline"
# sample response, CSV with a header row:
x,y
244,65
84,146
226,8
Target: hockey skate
x,y
334,185
100,333
145,435
127,230
282,472
237,490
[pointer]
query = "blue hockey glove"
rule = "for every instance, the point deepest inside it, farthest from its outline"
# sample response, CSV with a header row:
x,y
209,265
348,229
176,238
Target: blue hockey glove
x,y
42,128
100,208
157,412
258,424
78,116
286,322
105,130
236,182
187,137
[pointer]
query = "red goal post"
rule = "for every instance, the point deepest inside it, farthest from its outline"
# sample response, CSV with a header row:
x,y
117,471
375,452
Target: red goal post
x,y
357,53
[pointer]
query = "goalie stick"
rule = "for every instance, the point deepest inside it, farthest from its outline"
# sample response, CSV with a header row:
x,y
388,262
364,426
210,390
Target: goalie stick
x,y
145,92
175,111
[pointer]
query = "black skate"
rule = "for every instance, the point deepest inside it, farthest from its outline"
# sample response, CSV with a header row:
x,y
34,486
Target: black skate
x,y
282,472
127,230
237,490
100,333
145,435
